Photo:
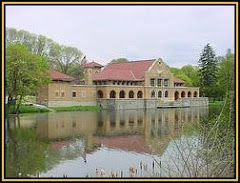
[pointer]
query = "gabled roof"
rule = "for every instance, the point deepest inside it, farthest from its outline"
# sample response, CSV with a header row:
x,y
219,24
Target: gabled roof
x,y
92,65
127,71
56,75
177,80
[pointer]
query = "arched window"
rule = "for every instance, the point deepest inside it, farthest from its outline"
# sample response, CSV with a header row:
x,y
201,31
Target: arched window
x,y
112,94
122,94
195,94
183,94
100,94
159,94
189,94
153,94
176,95
139,94
166,94
131,94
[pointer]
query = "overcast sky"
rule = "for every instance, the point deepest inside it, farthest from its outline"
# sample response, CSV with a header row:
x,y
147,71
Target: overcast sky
x,y
177,34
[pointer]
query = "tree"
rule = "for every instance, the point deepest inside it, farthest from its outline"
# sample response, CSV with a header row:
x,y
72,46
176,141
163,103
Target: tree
x,y
76,71
64,57
178,73
119,60
58,56
25,72
207,71
226,75
192,73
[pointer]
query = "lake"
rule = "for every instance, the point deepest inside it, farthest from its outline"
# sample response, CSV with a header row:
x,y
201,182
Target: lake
x,y
107,143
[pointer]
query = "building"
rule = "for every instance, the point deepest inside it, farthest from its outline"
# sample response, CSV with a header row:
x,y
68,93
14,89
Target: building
x,y
129,85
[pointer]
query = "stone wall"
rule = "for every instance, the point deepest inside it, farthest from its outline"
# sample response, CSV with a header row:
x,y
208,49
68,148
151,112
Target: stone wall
x,y
151,103
68,103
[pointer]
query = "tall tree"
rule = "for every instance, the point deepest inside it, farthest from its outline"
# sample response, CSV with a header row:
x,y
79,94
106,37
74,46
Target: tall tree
x,y
208,70
25,72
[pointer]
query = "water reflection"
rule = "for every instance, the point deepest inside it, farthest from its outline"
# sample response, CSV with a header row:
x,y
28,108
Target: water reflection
x,y
86,140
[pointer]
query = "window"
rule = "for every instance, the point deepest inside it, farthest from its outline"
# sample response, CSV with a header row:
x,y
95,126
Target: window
x,y
131,94
122,94
139,94
62,94
74,94
94,93
166,94
83,93
160,94
153,94
99,94
166,82
152,82
159,82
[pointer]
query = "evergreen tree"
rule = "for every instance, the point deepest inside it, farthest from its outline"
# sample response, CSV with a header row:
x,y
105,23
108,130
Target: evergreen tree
x,y
208,69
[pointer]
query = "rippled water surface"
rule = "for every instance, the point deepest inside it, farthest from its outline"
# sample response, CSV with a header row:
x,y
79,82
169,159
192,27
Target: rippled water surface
x,y
122,143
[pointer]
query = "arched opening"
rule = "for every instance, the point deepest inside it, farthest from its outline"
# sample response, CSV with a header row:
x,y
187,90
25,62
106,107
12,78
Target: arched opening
x,y
122,94
112,94
153,94
189,94
131,94
195,94
183,94
159,94
166,93
139,94
176,95
100,94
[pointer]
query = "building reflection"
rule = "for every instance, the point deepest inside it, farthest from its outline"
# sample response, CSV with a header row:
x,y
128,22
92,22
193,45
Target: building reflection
x,y
143,131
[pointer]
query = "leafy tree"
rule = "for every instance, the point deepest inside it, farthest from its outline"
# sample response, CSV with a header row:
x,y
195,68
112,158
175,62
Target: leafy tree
x,y
207,71
226,75
192,73
64,57
37,44
58,56
178,73
25,72
76,71
119,60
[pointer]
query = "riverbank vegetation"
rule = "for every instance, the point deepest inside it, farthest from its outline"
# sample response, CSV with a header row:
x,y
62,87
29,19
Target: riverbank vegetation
x,y
32,109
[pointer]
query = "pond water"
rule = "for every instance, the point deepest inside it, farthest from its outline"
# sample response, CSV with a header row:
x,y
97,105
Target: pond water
x,y
107,143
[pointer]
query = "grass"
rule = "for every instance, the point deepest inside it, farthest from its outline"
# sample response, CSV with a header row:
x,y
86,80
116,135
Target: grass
x,y
77,108
215,103
29,109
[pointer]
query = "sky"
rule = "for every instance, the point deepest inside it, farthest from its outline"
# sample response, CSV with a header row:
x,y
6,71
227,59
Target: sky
x,y
177,34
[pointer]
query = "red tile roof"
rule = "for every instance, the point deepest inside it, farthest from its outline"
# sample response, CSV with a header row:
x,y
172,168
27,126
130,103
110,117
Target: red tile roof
x,y
56,75
177,80
92,65
127,71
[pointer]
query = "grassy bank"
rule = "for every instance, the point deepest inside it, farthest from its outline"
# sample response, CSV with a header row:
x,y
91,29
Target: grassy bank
x,y
77,108
28,109
31,109
215,103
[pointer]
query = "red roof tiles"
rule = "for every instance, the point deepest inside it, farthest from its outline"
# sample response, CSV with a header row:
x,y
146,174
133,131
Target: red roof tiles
x,y
177,80
127,71
92,65
56,75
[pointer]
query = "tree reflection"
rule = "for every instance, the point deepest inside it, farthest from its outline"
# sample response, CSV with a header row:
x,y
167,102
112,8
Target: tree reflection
x,y
25,153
